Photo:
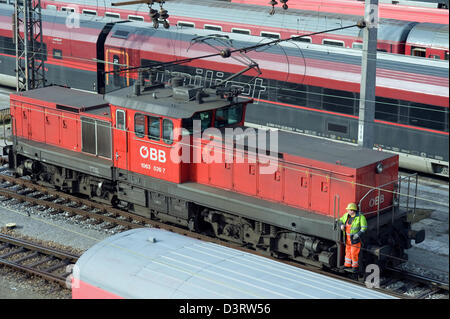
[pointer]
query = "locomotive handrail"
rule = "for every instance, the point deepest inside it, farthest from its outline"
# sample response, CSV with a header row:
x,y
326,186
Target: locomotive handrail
x,y
373,189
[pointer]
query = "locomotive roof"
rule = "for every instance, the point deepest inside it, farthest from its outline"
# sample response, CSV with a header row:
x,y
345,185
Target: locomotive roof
x,y
75,99
315,148
161,101
154,263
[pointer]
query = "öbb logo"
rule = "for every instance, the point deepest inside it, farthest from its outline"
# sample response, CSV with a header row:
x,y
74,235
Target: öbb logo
x,y
153,154
374,201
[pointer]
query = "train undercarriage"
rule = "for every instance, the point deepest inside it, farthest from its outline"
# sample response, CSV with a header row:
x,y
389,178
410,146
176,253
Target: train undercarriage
x,y
383,245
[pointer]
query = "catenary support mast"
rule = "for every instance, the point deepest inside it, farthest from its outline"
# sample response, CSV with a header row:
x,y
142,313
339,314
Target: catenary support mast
x,y
30,51
368,76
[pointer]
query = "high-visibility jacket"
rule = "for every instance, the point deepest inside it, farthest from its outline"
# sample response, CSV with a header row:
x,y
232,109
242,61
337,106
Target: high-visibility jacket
x,y
359,223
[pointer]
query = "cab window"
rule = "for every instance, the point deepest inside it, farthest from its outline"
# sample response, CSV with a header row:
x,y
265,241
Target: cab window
x,y
120,119
154,131
205,119
228,116
139,125
167,131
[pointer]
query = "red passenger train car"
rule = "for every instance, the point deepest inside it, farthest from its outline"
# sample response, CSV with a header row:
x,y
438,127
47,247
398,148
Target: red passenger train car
x,y
304,17
180,154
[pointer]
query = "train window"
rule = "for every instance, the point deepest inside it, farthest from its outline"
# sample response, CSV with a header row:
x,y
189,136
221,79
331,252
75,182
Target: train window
x,y
116,67
335,43
434,56
338,101
167,131
139,125
135,18
302,39
185,24
291,93
240,31
200,119
112,15
386,109
228,116
212,27
357,45
57,54
89,12
270,35
120,119
418,51
154,128
67,9
446,55
7,45
428,116
121,34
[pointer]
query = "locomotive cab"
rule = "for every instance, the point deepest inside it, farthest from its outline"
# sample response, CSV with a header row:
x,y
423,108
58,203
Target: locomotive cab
x,y
158,124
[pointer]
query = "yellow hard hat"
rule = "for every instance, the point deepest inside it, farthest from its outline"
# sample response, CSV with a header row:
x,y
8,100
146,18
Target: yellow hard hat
x,y
352,206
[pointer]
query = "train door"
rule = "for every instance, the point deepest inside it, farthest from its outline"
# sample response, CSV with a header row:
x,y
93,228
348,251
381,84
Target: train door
x,y
52,126
20,119
121,140
117,59
296,186
320,199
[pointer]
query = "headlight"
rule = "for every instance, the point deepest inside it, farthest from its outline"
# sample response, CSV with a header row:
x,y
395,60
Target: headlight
x,y
379,168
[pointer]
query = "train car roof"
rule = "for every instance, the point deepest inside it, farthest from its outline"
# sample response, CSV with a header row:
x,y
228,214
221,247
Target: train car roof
x,y
133,31
254,15
74,100
161,101
429,35
153,263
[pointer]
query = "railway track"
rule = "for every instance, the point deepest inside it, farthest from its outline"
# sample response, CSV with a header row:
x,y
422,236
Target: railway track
x,y
48,263
107,217
405,282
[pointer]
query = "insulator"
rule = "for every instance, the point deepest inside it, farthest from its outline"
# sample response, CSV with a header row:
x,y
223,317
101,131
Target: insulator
x,y
166,24
154,14
273,3
155,23
225,53
361,23
163,14
283,1
285,6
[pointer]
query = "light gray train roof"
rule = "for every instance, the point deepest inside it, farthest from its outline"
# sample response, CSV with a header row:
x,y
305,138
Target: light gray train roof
x,y
292,19
394,62
131,266
429,35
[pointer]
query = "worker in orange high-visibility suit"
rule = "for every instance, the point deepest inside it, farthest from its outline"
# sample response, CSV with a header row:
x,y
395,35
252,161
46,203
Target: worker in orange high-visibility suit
x,y
354,225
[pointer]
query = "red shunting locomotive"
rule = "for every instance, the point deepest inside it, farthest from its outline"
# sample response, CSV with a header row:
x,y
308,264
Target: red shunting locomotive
x,y
162,151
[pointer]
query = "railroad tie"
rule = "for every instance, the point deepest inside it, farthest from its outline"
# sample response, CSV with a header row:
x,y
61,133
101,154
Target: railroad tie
x,y
19,250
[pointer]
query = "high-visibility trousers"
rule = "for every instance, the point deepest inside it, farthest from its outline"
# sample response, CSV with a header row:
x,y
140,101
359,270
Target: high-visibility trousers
x,y
351,254
351,250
